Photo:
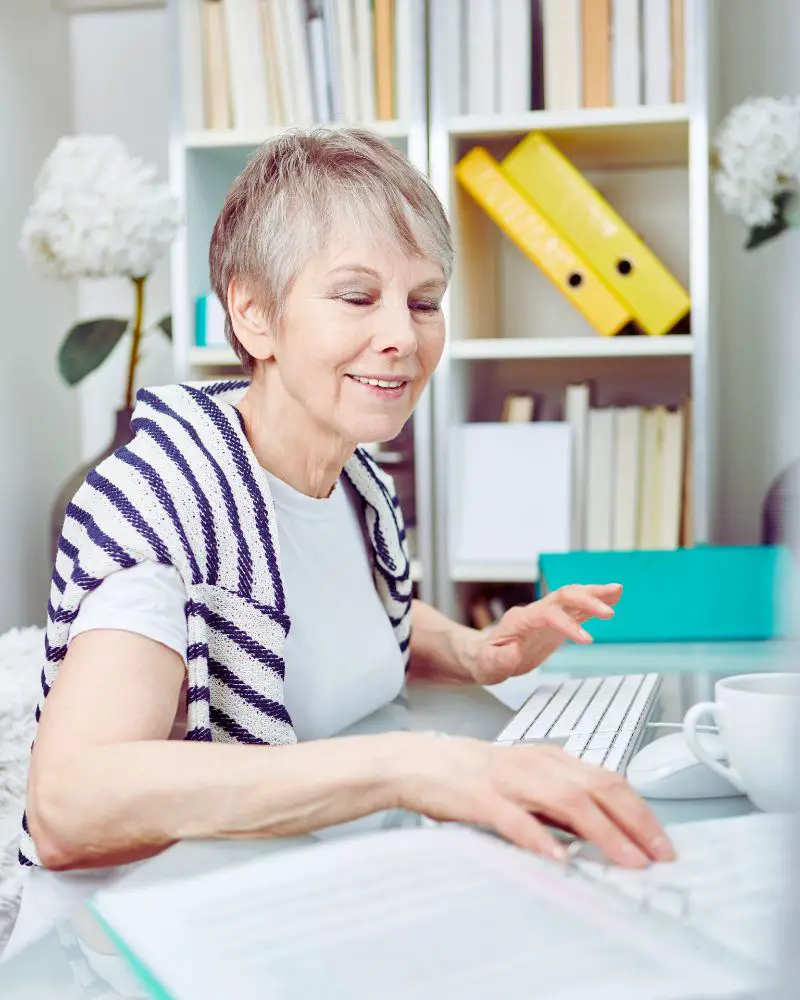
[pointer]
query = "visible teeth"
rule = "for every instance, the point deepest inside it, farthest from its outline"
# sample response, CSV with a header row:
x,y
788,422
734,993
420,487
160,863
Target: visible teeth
x,y
377,381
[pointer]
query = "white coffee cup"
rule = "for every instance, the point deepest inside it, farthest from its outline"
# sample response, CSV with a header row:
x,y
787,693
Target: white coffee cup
x,y
758,716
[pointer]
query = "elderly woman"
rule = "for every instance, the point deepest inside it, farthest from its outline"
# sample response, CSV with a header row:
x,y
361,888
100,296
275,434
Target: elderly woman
x,y
232,589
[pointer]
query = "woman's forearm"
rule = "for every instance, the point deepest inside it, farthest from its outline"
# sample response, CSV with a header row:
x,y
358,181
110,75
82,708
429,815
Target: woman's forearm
x,y
441,649
107,805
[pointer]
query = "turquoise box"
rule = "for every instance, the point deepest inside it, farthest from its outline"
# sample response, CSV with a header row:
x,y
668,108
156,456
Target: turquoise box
x,y
703,594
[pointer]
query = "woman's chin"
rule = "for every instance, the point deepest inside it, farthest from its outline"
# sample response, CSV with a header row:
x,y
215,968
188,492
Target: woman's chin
x,y
377,430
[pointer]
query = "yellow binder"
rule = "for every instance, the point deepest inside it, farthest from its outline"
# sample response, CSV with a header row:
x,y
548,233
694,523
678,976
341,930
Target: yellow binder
x,y
482,177
575,207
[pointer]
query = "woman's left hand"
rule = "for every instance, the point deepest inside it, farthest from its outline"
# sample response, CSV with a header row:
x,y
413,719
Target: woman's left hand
x,y
525,636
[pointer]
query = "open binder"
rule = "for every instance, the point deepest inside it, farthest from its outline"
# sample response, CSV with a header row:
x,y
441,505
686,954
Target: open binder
x,y
451,912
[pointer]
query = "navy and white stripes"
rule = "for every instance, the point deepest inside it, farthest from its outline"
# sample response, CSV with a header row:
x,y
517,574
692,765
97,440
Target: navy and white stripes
x,y
188,491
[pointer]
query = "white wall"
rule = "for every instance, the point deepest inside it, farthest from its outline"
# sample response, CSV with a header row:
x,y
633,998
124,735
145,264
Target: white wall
x,y
759,304
38,413
120,86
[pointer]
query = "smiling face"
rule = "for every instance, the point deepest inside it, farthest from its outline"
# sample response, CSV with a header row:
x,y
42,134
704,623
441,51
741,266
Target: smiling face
x,y
359,337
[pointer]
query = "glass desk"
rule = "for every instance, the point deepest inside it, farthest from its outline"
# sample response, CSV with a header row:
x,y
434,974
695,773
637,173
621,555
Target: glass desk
x,y
76,961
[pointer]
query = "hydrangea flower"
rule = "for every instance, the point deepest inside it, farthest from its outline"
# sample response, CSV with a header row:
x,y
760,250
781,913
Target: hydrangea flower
x,y
758,153
98,212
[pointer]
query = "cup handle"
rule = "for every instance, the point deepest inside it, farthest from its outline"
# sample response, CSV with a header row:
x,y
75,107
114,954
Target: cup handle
x,y
690,722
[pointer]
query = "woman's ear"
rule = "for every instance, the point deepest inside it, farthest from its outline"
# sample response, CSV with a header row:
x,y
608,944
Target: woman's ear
x,y
249,322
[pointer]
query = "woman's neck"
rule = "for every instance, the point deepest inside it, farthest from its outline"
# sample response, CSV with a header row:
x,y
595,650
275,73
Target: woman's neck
x,y
307,457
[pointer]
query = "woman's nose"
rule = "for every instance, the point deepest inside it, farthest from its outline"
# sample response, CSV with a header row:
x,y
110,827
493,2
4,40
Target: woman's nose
x,y
395,333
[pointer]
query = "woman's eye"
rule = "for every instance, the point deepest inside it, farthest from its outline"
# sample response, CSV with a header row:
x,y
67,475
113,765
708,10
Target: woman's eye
x,y
356,299
424,305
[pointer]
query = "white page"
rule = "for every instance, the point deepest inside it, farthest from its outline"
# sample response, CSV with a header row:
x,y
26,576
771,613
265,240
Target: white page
x,y
733,873
419,914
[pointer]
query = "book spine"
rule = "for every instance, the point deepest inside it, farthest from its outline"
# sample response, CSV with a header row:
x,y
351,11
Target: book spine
x,y
384,59
596,33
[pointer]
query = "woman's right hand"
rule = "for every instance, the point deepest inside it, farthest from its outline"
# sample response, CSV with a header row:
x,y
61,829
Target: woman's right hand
x,y
507,788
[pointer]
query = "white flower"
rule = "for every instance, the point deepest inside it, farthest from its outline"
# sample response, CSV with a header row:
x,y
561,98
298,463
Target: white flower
x,y
98,212
758,146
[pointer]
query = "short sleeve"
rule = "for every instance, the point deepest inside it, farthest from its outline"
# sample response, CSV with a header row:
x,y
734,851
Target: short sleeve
x,y
148,599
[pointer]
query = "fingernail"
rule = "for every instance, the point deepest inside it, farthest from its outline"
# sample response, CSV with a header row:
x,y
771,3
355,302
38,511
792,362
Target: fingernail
x,y
633,856
559,854
584,635
663,849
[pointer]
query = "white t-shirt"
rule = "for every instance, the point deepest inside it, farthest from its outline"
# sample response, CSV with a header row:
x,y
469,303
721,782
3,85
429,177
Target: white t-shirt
x,y
344,668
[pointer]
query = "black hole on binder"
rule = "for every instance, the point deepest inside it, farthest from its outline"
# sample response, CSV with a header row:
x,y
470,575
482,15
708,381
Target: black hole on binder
x,y
624,266
575,280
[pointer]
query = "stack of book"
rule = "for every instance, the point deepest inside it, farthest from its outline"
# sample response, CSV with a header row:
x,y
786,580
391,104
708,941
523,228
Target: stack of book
x,y
521,55
631,475
273,63
546,206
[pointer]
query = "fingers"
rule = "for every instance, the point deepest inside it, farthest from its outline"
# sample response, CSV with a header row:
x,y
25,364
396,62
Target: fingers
x,y
593,601
519,827
633,815
598,805
560,621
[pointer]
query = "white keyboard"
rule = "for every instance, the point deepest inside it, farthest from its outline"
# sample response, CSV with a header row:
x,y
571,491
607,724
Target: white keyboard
x,y
599,719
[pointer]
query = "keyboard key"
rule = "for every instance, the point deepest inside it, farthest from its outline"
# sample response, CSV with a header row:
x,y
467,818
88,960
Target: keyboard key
x,y
595,757
590,719
572,713
622,701
530,711
575,745
547,719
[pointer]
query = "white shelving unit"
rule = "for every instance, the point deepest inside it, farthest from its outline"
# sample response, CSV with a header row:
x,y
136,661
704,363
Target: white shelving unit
x,y
508,328
204,163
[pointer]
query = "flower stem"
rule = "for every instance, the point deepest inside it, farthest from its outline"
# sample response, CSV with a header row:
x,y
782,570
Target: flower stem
x,y
136,340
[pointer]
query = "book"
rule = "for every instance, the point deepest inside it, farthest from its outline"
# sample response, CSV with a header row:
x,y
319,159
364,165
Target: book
x,y
576,414
272,58
561,41
678,80
575,207
216,80
524,223
348,59
246,61
277,22
467,906
384,59
480,614
600,479
295,40
650,481
481,58
517,408
687,511
333,70
625,504
671,479
318,62
365,58
626,62
514,53
657,51
510,492
596,48
403,59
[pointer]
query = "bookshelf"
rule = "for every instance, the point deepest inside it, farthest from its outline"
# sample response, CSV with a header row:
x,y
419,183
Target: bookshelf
x,y
203,164
510,330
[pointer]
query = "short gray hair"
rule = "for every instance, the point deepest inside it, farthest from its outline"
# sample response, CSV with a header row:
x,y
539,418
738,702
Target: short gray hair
x,y
285,203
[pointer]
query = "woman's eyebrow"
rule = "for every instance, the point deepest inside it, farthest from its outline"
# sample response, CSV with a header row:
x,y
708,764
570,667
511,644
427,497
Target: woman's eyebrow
x,y
356,269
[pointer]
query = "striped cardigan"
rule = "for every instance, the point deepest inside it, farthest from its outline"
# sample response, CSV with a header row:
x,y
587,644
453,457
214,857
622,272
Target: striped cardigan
x,y
189,492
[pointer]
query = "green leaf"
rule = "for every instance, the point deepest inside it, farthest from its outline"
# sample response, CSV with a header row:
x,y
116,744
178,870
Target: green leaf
x,y
165,325
779,224
87,345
